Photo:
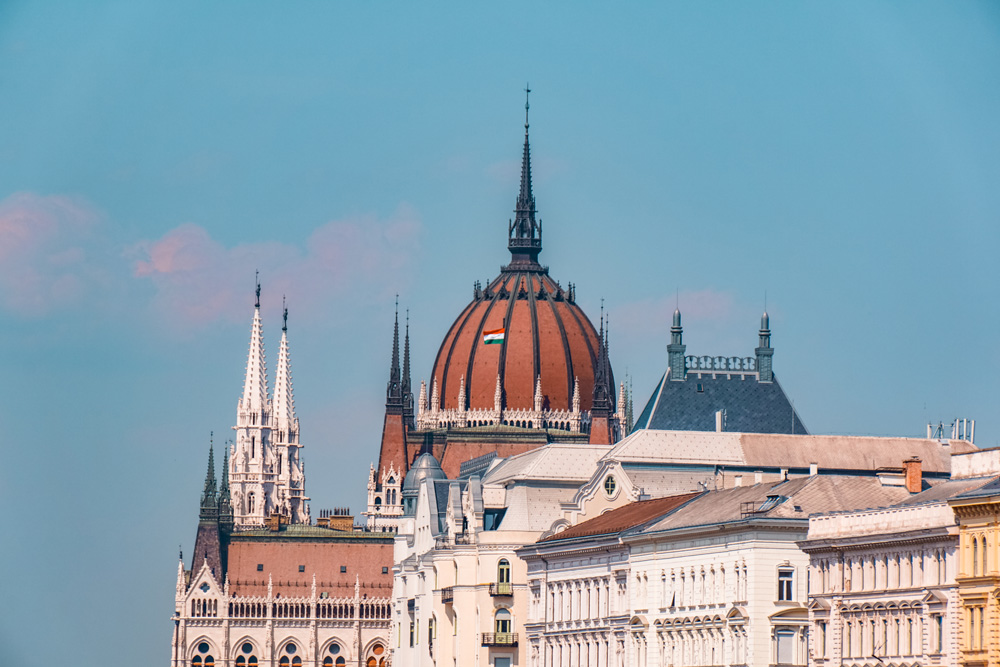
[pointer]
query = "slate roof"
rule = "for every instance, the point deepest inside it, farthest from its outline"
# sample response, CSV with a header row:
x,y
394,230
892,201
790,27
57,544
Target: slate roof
x,y
623,518
962,488
983,490
691,404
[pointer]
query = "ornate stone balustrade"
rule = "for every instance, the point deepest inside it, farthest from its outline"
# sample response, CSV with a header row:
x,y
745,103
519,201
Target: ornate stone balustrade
x,y
260,607
723,364
566,420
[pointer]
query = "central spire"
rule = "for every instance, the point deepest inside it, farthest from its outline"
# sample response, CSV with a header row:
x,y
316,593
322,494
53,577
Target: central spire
x,y
524,233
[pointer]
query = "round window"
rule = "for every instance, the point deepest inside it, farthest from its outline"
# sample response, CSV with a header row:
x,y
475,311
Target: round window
x,y
203,647
334,649
291,648
247,647
610,486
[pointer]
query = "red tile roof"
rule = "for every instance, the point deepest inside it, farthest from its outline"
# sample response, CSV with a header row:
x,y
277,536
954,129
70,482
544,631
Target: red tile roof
x,y
623,518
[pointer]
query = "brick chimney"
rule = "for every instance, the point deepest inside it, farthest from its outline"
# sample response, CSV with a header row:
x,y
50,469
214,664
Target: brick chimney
x,y
913,475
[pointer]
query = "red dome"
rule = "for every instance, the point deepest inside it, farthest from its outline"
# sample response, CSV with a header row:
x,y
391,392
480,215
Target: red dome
x,y
547,335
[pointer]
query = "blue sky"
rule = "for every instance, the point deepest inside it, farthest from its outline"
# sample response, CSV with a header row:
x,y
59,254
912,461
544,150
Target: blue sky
x,y
842,158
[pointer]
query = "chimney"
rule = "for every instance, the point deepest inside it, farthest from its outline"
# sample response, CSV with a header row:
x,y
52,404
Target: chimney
x,y
913,474
758,477
813,469
718,421
738,480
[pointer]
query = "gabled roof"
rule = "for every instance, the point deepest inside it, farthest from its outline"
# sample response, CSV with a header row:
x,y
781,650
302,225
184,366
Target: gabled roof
x,y
750,406
623,518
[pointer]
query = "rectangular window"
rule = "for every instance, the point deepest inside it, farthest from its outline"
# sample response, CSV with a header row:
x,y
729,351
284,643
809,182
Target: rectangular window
x,y
785,584
302,568
343,569
385,570
939,633
412,632
260,567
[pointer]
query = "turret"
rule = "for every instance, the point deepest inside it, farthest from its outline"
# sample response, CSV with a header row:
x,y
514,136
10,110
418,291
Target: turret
x,y
764,351
676,349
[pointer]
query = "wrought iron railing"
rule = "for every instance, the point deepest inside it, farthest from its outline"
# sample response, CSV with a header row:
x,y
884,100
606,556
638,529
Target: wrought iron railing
x,y
499,638
448,595
501,588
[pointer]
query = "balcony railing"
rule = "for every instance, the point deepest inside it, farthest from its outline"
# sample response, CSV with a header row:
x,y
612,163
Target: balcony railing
x,y
499,638
501,588
448,595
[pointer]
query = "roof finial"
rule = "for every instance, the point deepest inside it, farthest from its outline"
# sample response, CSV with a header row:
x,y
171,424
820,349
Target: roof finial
x,y
284,314
527,92
257,279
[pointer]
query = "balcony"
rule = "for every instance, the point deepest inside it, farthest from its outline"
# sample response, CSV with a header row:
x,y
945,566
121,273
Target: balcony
x,y
499,638
501,589
448,595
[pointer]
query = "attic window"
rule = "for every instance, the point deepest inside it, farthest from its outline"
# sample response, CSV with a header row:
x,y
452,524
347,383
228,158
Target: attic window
x,y
343,568
260,567
610,486
302,568
771,502
701,388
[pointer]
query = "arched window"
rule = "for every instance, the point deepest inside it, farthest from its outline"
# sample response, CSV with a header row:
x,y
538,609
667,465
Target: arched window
x,y
203,657
247,659
502,624
333,657
503,571
983,552
975,557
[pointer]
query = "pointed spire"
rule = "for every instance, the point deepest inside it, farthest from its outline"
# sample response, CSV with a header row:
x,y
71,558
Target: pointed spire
x,y
225,501
406,389
602,390
538,394
283,406
422,400
209,496
525,233
394,389
498,395
461,393
435,396
576,394
255,391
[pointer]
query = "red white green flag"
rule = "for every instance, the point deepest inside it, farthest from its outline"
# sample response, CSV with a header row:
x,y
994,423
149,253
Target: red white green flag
x,y
494,337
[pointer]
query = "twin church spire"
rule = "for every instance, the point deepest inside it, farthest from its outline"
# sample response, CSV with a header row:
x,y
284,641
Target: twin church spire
x,y
264,469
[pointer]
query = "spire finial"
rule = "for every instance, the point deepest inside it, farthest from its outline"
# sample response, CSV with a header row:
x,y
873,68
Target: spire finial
x,y
527,92
524,233
284,314
394,394
257,280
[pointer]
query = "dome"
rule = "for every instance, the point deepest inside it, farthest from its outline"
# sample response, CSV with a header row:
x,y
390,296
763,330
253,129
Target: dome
x,y
424,467
546,336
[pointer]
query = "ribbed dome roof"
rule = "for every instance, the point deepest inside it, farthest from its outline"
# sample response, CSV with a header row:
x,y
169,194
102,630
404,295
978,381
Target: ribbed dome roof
x,y
425,467
546,334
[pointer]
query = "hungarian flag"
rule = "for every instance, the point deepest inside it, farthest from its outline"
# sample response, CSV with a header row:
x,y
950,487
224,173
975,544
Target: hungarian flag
x,y
493,337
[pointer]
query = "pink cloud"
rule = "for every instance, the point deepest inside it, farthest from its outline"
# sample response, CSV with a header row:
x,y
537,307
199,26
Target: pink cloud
x,y
199,280
47,243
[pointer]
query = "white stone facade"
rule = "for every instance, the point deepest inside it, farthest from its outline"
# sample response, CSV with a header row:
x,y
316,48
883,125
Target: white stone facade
x,y
883,587
265,473
215,629
385,501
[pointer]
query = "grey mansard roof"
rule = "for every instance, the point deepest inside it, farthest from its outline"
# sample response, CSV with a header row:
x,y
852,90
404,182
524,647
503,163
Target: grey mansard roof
x,y
690,404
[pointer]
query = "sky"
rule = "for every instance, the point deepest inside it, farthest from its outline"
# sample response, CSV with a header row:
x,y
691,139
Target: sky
x,y
838,160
